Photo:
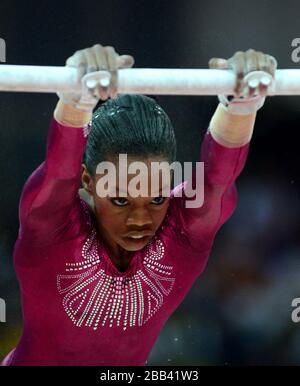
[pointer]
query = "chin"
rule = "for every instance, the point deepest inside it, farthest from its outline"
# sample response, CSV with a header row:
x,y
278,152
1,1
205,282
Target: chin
x,y
133,249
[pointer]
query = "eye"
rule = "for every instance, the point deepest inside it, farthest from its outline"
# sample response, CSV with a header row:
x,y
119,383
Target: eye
x,y
158,200
119,201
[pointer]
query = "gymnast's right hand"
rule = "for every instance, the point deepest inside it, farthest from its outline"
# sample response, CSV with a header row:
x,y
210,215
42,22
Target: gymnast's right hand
x,y
93,59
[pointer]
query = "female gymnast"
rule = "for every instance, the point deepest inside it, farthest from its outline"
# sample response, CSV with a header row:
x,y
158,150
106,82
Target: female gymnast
x,y
100,276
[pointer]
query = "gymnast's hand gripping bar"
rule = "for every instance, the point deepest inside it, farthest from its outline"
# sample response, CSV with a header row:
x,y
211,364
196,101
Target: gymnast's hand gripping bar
x,y
139,80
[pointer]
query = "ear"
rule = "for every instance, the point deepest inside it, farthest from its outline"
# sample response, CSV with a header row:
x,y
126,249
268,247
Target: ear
x,y
86,180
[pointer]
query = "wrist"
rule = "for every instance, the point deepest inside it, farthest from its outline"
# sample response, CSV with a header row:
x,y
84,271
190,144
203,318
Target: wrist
x,y
231,130
69,115
242,106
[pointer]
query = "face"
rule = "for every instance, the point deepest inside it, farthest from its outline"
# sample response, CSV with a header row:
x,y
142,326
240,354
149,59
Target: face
x,y
127,222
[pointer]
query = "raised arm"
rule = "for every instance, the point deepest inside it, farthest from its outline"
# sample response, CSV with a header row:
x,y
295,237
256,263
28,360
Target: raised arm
x,y
224,149
50,192
49,202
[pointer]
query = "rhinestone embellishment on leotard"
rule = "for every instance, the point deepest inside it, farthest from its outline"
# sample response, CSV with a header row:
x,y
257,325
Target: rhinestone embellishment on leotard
x,y
95,299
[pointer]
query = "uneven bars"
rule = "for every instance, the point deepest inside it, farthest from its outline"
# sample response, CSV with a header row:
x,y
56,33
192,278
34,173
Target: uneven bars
x,y
47,79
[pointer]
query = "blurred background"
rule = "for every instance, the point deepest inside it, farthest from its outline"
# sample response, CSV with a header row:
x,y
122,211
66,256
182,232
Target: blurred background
x,y
238,312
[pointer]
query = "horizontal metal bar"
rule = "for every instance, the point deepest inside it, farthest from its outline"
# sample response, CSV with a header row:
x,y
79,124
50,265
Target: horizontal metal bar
x,y
140,80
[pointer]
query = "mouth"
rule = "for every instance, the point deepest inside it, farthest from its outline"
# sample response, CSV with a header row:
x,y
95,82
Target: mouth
x,y
137,239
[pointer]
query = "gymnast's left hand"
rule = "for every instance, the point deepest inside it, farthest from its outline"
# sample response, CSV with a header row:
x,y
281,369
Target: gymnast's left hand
x,y
243,63
248,96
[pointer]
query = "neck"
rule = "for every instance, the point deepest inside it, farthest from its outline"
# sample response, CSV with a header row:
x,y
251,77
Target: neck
x,y
114,249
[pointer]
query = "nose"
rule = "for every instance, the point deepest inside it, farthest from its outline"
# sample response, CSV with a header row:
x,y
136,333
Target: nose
x,y
139,217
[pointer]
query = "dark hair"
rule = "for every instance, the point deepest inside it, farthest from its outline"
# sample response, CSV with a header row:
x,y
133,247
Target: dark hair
x,y
131,124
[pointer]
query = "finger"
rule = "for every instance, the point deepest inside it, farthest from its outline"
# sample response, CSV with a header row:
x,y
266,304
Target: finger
x,y
238,65
263,63
251,87
92,66
251,64
102,64
125,61
263,89
102,92
90,59
111,56
218,63
273,64
78,61
113,86
251,61
258,86
101,58
113,69
251,91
